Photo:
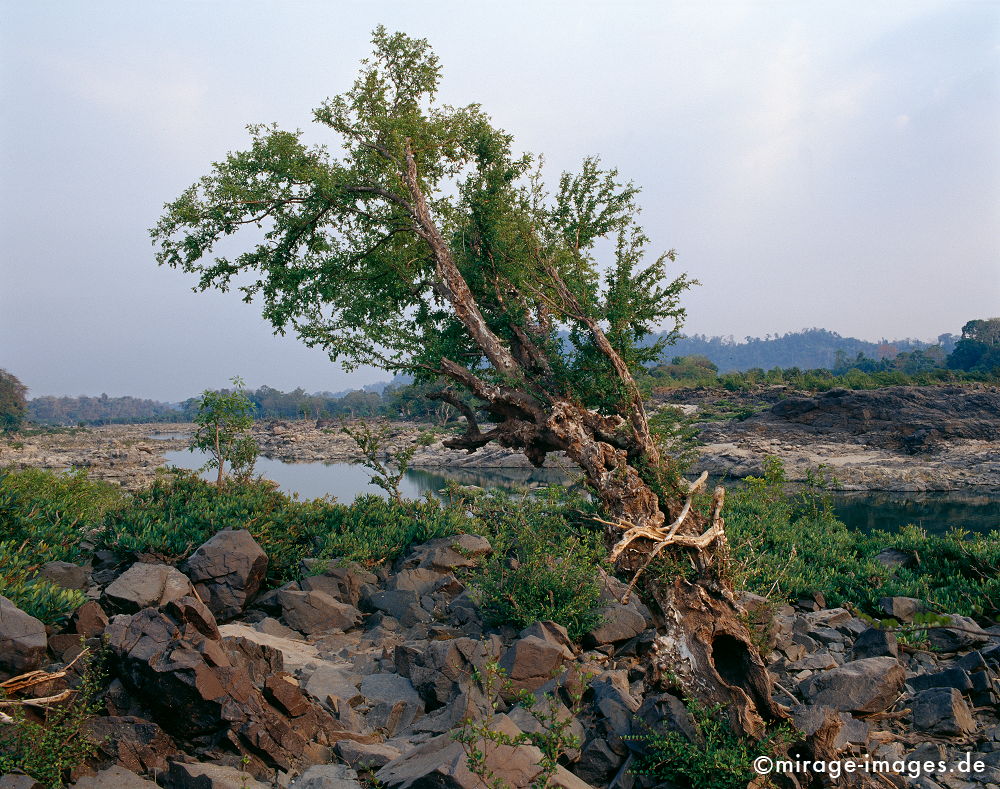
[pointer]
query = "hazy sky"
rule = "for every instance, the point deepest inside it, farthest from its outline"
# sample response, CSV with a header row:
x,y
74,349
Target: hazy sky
x,y
821,163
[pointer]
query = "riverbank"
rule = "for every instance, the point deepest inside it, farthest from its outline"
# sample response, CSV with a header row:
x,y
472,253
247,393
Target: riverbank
x,y
904,439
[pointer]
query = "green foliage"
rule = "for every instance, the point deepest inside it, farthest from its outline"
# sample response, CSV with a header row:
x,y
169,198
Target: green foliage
x,y
793,545
49,749
224,420
388,466
179,511
46,517
428,246
13,404
716,759
979,348
479,738
544,564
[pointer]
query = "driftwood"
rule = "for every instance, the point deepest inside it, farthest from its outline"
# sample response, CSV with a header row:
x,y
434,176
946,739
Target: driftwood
x,y
22,682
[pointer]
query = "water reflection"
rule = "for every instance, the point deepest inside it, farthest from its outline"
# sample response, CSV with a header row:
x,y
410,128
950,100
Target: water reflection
x,y
935,512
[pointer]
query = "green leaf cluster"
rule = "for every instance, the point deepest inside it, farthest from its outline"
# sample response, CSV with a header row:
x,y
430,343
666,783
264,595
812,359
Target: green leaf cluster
x,y
544,564
716,759
46,517
346,244
793,545
49,749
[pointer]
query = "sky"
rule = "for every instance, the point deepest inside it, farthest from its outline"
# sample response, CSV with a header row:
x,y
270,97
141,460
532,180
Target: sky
x,y
825,163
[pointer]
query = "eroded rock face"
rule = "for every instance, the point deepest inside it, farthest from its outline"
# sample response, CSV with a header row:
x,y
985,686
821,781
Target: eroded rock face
x,y
22,640
175,663
442,762
147,586
136,744
869,685
227,572
316,612
942,711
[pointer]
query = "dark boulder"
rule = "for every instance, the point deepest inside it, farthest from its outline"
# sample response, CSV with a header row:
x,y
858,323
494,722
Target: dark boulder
x,y
146,586
942,711
22,640
867,686
227,571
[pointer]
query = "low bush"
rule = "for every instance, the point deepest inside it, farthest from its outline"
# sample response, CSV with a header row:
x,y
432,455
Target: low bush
x,y
793,545
46,516
716,759
49,748
545,561
179,511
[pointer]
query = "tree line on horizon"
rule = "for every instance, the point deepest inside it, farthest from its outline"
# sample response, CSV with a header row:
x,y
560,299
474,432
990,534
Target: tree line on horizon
x,y
695,359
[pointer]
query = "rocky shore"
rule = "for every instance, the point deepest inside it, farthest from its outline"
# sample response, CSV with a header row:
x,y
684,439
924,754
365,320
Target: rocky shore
x,y
895,439
351,676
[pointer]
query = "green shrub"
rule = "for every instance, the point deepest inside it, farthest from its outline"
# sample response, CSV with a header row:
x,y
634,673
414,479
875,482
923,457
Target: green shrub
x,y
793,545
544,564
717,759
48,750
46,516
374,530
179,511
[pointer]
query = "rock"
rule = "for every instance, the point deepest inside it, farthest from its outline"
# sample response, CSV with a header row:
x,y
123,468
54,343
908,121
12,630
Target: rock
x,y
272,627
619,623
442,762
18,781
965,634
341,583
133,743
315,612
598,762
447,554
65,574
874,642
892,558
22,640
866,686
418,580
658,715
115,778
902,609
389,687
365,756
209,776
89,620
530,662
401,604
338,681
949,678
327,776
552,632
296,654
818,661
395,702
809,719
283,691
442,670
147,586
942,711
227,571
201,689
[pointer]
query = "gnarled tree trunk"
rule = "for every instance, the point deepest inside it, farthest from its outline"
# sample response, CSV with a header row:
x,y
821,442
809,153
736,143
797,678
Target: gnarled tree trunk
x,y
706,647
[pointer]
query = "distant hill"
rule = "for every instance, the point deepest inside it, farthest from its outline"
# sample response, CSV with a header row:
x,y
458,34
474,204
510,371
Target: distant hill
x,y
806,349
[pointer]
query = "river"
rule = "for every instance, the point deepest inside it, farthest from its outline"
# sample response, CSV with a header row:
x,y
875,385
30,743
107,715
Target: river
x,y
866,510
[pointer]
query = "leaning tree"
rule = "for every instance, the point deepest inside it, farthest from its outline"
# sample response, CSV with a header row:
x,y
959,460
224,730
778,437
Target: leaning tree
x,y
423,244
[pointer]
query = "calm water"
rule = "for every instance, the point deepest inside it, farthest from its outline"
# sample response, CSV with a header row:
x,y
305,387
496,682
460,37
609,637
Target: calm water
x,y
935,512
